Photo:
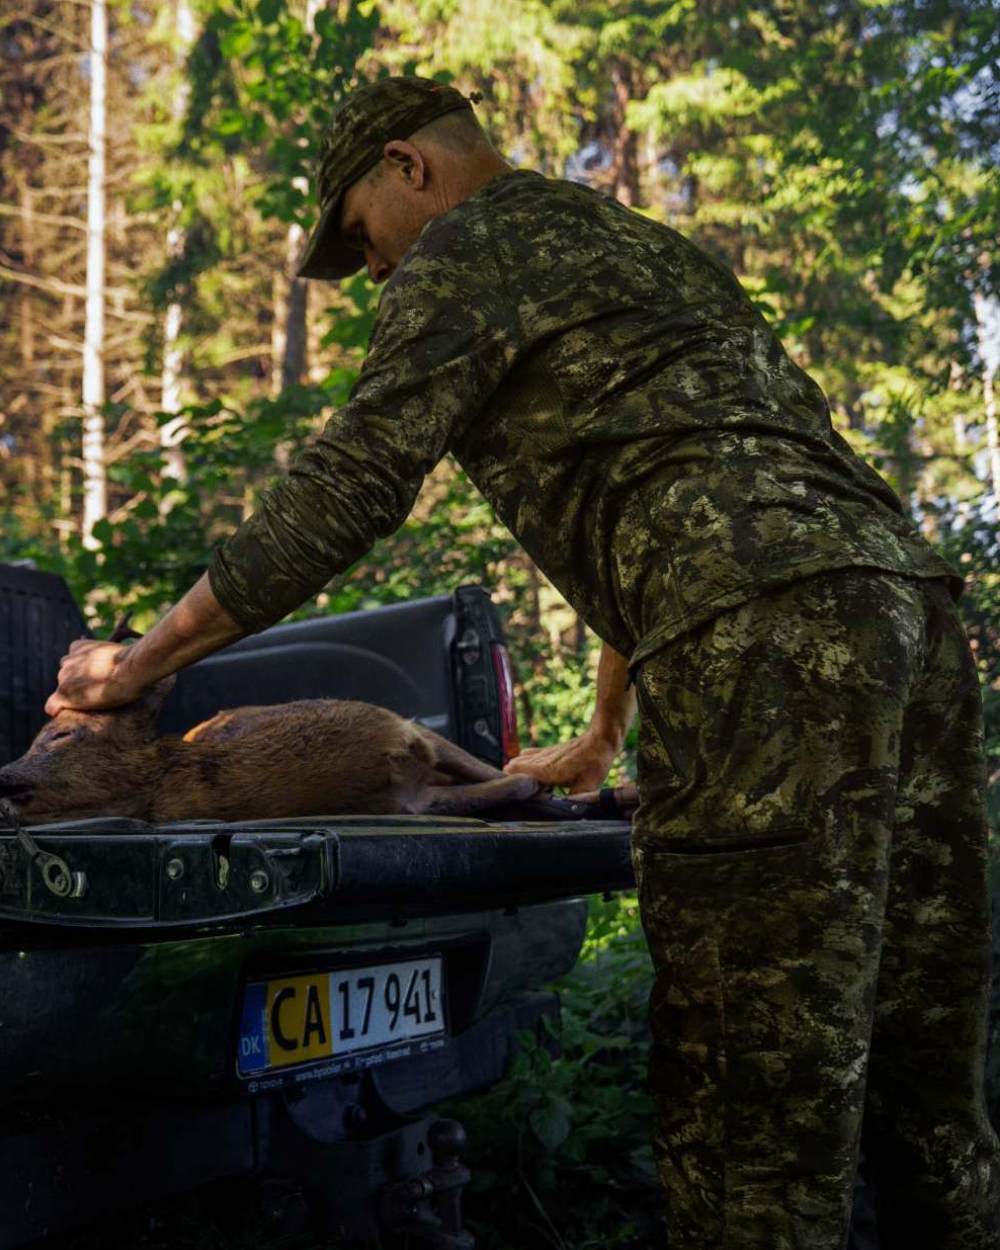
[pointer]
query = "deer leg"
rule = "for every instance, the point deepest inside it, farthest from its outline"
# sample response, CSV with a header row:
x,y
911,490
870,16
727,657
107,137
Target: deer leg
x,y
461,800
452,759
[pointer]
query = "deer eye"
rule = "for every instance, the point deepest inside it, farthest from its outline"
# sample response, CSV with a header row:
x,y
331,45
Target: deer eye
x,y
63,733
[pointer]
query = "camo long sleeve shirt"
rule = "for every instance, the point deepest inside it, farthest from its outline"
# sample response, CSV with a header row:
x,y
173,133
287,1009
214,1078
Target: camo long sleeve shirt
x,y
614,394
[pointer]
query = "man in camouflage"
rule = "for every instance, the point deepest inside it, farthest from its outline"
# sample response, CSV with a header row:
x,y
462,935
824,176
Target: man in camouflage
x,y
810,843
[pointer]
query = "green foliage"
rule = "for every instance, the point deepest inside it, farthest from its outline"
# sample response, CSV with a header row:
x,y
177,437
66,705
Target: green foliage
x,y
264,82
560,1149
840,158
559,687
518,53
825,156
352,330
970,538
159,543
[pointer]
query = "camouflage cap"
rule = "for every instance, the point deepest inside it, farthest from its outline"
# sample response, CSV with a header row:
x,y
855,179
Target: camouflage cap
x,y
391,108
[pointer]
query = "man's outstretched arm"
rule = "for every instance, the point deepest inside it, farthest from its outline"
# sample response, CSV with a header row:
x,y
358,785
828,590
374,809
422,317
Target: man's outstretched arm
x,y
582,763
106,674
444,338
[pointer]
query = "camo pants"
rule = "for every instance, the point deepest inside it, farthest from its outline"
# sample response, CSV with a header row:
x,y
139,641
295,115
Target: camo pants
x,y
810,851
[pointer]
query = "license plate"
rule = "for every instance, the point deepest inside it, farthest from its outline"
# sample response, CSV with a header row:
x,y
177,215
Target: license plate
x,y
352,1018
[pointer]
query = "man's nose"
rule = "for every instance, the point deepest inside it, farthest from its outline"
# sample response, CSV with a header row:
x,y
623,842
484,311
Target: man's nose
x,y
378,269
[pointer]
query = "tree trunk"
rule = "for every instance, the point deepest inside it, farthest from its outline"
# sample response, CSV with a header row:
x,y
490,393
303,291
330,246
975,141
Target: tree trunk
x,y
288,334
956,381
988,320
95,494
172,432
293,363
28,260
625,142
288,342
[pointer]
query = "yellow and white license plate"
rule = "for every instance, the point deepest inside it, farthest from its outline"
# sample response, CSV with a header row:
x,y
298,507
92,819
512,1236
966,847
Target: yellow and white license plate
x,y
350,1018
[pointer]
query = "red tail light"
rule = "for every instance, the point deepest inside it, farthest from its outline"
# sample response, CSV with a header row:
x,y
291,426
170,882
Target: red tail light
x,y
504,674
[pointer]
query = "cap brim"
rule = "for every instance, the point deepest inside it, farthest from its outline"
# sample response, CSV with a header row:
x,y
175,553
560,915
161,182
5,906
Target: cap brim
x,y
327,255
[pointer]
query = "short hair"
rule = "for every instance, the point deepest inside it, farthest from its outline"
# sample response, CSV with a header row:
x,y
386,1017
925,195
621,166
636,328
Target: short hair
x,y
459,131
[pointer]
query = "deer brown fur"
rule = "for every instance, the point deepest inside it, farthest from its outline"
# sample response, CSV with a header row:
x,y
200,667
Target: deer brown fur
x,y
311,757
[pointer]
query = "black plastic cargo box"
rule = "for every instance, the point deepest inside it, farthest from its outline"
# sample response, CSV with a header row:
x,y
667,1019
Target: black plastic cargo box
x,y
38,621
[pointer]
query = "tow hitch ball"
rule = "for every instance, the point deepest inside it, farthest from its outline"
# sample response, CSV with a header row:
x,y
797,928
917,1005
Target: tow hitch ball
x,y
429,1207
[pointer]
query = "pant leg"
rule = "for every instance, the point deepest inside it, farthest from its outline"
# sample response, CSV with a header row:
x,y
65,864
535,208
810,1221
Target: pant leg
x,y
769,751
930,1150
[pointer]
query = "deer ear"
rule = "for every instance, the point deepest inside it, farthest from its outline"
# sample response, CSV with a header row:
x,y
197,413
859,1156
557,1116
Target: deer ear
x,y
123,631
154,697
137,721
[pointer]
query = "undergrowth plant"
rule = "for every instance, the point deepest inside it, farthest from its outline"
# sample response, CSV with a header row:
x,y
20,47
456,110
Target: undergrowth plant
x,y
560,1149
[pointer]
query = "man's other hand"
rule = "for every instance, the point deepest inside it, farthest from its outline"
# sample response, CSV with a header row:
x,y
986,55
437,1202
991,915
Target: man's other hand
x,y
91,677
578,765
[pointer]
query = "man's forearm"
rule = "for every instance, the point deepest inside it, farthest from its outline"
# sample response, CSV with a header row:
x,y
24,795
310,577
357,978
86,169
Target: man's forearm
x,y
615,704
194,627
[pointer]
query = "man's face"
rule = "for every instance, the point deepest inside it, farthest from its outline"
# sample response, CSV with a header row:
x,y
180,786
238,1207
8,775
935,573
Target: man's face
x,y
382,215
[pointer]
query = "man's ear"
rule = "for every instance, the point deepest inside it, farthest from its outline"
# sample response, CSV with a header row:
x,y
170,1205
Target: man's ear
x,y
407,161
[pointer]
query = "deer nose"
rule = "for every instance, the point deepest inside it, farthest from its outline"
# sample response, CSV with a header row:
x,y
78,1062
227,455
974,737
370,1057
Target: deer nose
x,y
11,785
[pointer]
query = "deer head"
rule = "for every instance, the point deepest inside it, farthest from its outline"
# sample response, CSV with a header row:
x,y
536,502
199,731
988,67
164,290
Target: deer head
x,y
88,763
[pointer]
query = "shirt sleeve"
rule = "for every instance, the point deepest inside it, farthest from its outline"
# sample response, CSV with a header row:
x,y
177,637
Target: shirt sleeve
x,y
444,338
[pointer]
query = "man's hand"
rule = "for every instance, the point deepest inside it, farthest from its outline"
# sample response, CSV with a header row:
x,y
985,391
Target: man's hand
x,y
97,675
580,764
93,676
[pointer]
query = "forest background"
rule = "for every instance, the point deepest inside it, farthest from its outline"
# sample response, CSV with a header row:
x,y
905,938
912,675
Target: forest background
x,y
159,362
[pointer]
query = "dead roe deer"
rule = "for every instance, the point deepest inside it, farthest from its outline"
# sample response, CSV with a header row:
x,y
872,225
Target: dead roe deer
x,y
313,757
